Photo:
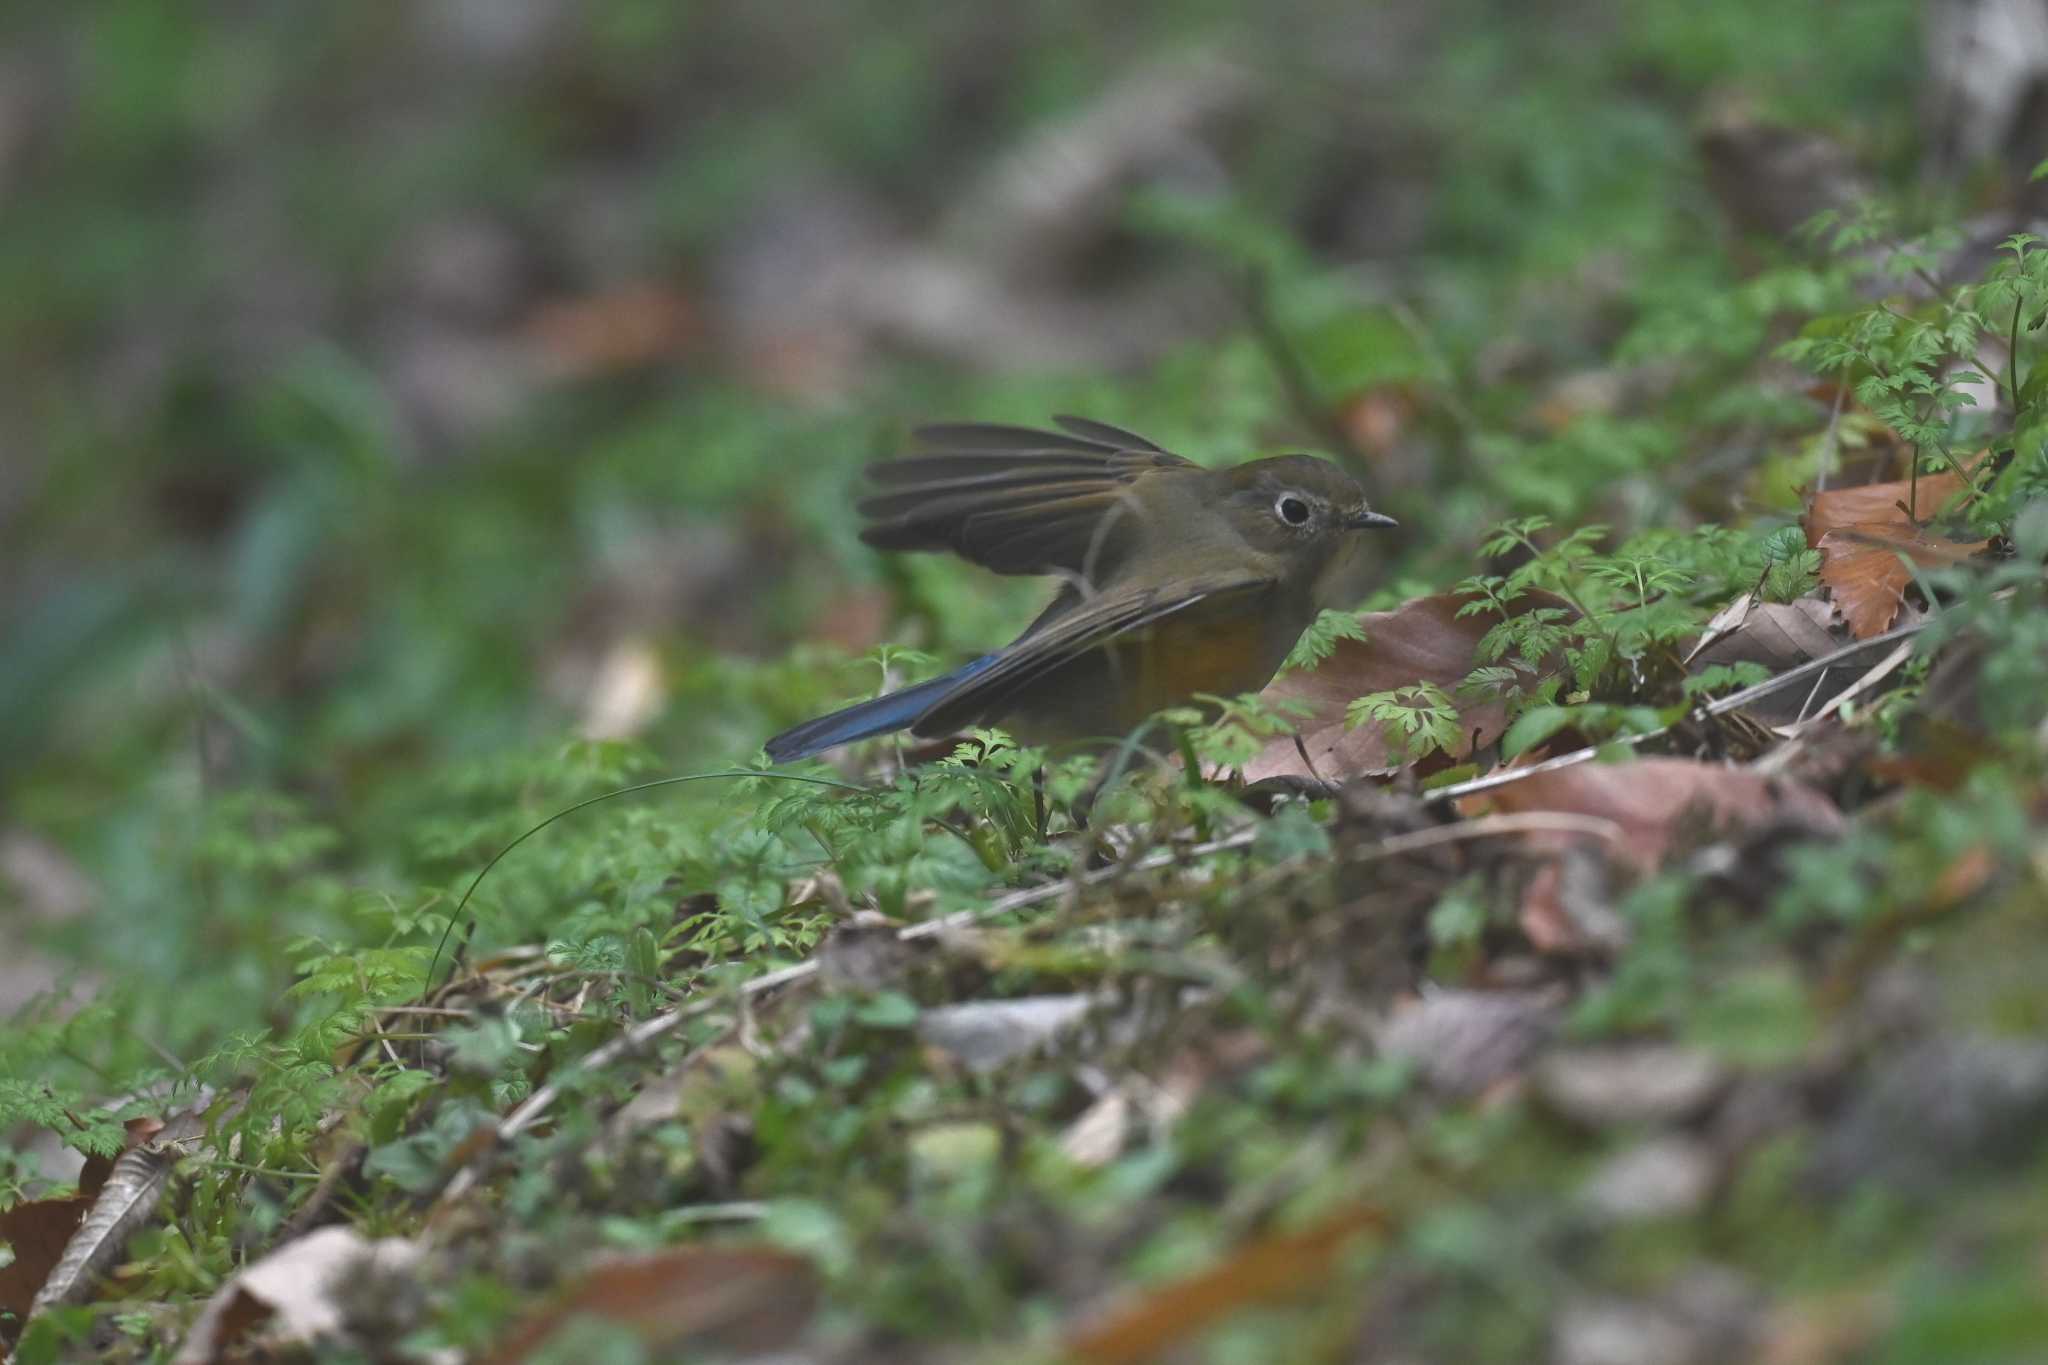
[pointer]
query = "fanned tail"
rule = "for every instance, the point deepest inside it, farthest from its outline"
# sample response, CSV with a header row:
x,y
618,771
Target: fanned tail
x,y
893,711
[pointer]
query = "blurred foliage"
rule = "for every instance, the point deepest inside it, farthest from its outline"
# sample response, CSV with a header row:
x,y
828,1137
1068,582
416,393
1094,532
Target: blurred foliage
x,y
322,524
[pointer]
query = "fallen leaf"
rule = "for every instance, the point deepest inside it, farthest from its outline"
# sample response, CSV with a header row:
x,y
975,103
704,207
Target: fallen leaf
x,y
856,619
1463,1042
124,1202
1862,534
705,1088
37,1232
733,1300
1778,635
1424,640
1568,907
1377,418
1614,1084
619,329
1267,1268
1664,1176
984,1034
1649,798
293,1293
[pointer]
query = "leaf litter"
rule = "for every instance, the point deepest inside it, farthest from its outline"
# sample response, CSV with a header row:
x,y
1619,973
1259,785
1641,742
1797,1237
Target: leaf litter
x,y
1340,944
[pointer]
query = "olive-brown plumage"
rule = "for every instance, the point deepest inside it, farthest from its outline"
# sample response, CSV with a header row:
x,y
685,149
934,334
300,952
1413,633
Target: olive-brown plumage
x,y
1175,579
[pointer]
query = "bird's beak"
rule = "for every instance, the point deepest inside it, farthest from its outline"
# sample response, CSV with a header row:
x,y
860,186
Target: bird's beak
x,y
1365,519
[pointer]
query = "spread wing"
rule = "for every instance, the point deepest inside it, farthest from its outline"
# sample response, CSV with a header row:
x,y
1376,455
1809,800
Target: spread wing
x,y
1014,499
1070,638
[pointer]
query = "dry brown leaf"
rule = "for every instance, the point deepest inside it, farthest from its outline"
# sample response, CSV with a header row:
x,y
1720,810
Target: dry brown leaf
x,y
1829,1329
739,1300
620,329
1267,1268
1778,635
856,619
1647,801
1862,533
1568,908
1424,640
38,1232
1377,418
1650,797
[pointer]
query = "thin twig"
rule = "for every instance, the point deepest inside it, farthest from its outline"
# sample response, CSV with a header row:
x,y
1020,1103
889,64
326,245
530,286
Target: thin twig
x,y
1734,701
1879,671
1491,827
651,1030
2012,362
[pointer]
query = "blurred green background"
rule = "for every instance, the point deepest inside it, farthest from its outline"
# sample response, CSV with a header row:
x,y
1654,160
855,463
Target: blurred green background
x,y
390,392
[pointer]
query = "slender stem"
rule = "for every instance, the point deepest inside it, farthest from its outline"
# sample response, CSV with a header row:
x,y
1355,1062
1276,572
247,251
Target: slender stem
x,y
2012,360
499,856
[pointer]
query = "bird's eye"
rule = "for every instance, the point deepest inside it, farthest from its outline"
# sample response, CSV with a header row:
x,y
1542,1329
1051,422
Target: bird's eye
x,y
1291,510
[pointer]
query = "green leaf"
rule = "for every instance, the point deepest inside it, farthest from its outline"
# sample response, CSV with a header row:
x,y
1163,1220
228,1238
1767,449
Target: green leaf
x,y
1291,833
1532,727
1357,349
1759,1018
1320,640
643,967
887,1010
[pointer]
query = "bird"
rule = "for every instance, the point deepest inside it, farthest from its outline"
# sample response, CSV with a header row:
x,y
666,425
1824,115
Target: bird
x,y
1175,579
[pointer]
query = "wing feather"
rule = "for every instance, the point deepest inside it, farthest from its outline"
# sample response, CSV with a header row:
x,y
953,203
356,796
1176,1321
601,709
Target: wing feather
x,y
1065,640
1088,429
1014,499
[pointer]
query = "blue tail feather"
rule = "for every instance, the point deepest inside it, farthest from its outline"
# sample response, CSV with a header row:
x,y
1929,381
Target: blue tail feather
x,y
892,711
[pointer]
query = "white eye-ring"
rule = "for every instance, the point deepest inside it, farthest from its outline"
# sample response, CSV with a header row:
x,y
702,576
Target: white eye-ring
x,y
1291,509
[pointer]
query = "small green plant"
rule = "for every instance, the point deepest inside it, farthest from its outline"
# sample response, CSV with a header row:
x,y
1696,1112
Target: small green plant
x,y
1320,640
1417,720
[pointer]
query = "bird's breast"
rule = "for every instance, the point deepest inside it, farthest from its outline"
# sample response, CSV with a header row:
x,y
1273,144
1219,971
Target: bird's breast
x,y
1223,650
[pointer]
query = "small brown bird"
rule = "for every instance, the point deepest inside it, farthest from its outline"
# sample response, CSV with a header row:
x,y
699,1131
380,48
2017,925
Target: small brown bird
x,y
1178,579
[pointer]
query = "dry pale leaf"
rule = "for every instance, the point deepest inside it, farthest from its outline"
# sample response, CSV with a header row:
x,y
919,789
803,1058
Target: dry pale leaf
x,y
1779,636
292,1293
984,1034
